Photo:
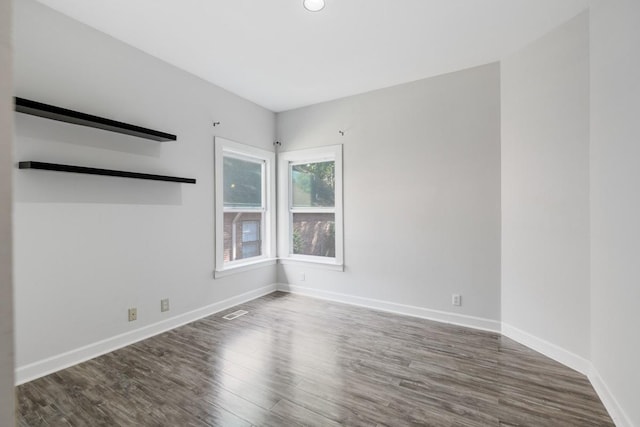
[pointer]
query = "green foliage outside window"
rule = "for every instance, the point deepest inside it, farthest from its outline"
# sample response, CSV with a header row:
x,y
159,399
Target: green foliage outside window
x,y
314,184
242,183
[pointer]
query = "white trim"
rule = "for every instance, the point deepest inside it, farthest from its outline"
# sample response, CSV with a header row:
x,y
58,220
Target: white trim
x,y
243,151
61,361
294,209
244,267
407,310
224,146
547,348
617,414
544,347
307,155
312,155
315,263
53,364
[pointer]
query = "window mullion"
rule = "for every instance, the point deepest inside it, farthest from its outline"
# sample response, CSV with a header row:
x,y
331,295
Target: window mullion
x,y
312,210
242,210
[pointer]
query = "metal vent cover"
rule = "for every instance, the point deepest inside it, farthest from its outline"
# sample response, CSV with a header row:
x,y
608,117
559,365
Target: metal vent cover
x,y
235,314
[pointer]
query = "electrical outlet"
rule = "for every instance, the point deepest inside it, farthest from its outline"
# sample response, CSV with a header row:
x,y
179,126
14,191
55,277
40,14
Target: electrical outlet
x,y
164,304
133,314
302,277
456,299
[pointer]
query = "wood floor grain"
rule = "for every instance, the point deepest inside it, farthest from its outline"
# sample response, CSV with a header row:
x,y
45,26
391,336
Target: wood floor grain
x,y
297,361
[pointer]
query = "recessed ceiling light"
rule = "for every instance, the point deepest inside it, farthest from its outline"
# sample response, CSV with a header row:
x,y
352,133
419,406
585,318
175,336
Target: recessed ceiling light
x,y
313,5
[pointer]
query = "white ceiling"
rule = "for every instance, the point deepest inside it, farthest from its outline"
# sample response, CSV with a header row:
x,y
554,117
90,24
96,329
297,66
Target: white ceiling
x,y
280,56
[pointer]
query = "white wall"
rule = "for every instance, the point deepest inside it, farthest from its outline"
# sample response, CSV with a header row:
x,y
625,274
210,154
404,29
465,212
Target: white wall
x,y
615,202
87,247
421,194
6,162
545,189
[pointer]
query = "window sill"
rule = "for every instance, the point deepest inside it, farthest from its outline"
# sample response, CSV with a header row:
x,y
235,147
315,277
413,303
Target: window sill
x,y
239,268
312,263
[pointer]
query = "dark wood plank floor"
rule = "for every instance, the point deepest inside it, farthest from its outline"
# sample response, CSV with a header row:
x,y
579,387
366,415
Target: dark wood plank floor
x,y
301,361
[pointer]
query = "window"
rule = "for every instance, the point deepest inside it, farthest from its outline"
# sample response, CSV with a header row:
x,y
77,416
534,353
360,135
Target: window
x,y
244,193
251,239
310,206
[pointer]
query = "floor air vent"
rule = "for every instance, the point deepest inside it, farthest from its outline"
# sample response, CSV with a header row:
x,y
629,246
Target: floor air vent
x,y
235,314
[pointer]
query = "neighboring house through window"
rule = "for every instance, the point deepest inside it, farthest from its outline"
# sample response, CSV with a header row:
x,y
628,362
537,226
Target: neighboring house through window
x,y
251,238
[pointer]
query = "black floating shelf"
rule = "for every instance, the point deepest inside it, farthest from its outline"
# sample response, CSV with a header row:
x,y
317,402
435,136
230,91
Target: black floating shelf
x,y
106,172
64,115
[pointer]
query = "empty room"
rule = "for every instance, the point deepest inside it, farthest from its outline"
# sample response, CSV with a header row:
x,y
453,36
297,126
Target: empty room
x,y
319,213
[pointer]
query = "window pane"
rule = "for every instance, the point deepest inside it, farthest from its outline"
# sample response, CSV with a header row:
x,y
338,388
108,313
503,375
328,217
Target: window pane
x,y
250,249
314,234
242,235
250,231
242,183
313,184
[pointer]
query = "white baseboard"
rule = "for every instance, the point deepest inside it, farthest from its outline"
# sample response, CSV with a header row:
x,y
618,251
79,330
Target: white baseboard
x,y
575,362
551,350
47,366
407,310
616,412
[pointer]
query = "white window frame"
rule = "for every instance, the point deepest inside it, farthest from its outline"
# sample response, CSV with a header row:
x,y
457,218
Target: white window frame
x,y
286,210
225,147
